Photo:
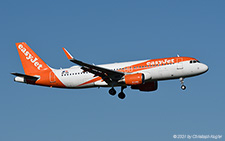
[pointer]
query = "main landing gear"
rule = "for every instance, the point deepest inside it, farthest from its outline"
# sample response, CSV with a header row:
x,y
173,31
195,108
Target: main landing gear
x,y
183,87
112,91
121,95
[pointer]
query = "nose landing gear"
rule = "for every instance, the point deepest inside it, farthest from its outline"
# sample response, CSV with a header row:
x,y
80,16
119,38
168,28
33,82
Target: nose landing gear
x,y
183,87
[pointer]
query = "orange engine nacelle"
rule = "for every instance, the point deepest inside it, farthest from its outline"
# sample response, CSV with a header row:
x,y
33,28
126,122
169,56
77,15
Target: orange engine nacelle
x,y
134,79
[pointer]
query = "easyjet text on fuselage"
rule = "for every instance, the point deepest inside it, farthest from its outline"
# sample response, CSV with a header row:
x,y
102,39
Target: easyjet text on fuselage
x,y
165,61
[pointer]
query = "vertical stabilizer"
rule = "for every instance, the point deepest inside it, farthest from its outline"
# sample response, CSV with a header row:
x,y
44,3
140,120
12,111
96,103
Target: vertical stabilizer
x,y
32,63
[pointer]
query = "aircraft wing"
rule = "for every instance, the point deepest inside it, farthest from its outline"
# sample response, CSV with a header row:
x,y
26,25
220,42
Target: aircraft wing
x,y
106,74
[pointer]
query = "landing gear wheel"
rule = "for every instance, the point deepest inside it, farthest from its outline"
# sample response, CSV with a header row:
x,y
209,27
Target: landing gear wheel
x,y
121,95
112,91
183,87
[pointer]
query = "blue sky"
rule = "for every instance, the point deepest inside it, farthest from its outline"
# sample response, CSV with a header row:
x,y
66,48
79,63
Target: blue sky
x,y
112,31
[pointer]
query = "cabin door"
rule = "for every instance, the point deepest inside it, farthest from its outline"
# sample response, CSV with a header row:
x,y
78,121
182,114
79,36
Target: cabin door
x,y
179,63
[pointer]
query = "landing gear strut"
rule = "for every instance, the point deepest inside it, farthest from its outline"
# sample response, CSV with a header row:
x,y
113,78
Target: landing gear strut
x,y
112,91
122,95
183,87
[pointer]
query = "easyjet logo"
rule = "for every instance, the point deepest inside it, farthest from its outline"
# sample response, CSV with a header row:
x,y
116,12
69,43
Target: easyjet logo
x,y
30,57
165,61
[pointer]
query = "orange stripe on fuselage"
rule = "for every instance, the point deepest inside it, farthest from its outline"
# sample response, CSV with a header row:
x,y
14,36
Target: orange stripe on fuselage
x,y
91,81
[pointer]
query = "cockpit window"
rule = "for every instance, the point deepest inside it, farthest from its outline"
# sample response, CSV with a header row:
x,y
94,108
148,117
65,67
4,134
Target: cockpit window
x,y
194,61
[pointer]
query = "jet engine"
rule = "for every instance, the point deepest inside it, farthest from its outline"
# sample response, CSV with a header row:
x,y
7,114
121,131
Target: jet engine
x,y
134,79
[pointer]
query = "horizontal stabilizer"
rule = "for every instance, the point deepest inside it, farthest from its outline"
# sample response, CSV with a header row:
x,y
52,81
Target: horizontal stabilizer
x,y
34,78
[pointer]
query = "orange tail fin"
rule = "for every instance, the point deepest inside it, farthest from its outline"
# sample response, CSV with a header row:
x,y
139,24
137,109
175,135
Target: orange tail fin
x,y
32,63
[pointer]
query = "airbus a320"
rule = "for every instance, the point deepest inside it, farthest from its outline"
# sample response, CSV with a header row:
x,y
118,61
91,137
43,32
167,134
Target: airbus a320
x,y
140,75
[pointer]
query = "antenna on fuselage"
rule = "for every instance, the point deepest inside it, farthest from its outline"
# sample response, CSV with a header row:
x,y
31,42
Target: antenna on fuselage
x,y
178,55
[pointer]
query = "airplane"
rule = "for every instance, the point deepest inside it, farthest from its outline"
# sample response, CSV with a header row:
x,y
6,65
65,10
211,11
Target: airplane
x,y
140,75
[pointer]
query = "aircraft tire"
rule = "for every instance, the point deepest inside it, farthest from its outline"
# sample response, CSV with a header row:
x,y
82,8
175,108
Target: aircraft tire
x,y
183,87
112,91
121,95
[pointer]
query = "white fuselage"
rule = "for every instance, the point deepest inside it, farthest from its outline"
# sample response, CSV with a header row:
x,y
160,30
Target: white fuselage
x,y
75,77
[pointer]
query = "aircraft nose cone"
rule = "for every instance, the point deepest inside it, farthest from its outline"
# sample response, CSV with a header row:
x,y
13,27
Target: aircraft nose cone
x,y
205,68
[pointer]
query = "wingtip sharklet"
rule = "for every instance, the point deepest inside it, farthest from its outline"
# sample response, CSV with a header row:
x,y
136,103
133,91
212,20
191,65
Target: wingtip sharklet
x,y
68,55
